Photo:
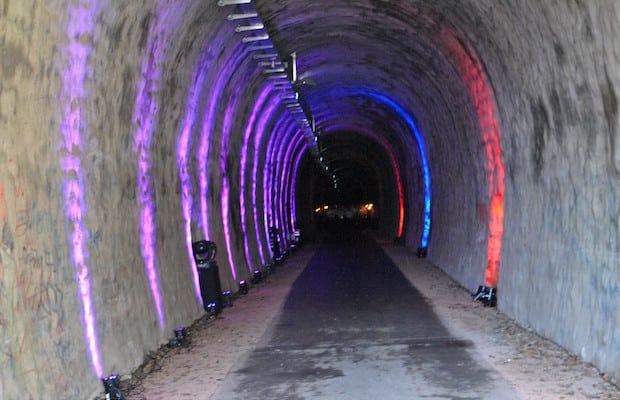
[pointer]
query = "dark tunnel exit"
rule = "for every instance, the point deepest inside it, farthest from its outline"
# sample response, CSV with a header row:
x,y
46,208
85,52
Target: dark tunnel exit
x,y
359,187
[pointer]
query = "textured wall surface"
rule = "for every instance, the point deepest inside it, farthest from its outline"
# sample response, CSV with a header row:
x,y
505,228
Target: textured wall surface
x,y
129,129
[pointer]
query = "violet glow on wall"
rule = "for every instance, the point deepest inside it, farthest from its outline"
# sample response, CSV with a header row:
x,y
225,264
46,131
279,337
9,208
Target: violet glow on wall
x,y
203,151
282,143
208,123
265,118
183,146
144,113
81,23
285,145
250,127
293,190
271,169
291,154
225,195
285,206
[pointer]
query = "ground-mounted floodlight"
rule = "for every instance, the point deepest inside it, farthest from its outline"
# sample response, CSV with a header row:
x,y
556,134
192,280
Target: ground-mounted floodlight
x,y
111,385
212,309
208,274
180,337
422,252
270,268
227,300
487,295
243,287
257,277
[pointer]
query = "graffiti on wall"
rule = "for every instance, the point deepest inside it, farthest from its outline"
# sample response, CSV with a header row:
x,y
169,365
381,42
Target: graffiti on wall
x,y
32,313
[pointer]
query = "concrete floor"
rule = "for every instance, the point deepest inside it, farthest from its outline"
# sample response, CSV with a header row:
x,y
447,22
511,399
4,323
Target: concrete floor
x,y
353,327
341,321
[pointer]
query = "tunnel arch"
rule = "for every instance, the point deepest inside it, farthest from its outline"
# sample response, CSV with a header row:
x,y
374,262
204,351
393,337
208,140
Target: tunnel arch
x,y
516,104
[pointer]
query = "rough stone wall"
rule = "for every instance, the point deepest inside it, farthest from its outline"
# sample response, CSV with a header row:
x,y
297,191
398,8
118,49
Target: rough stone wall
x,y
560,260
98,94
39,307
135,78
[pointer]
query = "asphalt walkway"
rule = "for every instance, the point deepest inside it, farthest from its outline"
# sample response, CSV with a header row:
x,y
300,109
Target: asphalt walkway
x,y
353,327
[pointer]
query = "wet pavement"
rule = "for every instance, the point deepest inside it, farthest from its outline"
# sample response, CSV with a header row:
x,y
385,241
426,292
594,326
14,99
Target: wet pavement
x,y
353,327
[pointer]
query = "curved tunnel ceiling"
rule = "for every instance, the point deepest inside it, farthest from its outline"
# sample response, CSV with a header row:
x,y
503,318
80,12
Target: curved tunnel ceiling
x,y
177,120
378,65
399,74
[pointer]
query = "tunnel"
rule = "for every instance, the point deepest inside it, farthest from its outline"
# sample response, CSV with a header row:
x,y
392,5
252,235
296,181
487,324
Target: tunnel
x,y
484,134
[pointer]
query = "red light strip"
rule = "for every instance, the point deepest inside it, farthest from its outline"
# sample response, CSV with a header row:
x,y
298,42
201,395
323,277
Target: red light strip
x,y
481,94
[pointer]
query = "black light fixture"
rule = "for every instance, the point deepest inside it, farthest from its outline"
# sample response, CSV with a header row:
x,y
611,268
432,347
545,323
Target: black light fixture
x,y
422,251
208,275
212,309
227,300
487,295
180,337
257,276
111,387
243,287
270,268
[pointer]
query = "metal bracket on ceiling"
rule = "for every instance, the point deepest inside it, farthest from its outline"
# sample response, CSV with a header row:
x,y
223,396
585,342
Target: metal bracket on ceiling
x,y
273,68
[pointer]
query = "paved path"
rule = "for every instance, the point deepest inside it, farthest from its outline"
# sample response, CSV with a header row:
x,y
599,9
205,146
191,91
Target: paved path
x,y
353,327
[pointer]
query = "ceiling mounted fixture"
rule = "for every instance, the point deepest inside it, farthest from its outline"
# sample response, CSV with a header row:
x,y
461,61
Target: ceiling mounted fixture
x,y
281,75
257,38
223,3
235,17
247,28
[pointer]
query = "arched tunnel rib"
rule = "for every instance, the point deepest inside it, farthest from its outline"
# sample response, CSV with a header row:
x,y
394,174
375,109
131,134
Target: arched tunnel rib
x,y
131,130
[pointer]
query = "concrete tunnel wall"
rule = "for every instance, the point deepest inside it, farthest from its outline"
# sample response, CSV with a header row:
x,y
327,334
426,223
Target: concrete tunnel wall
x,y
97,196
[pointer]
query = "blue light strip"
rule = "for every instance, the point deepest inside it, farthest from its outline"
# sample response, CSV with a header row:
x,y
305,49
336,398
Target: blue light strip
x,y
426,231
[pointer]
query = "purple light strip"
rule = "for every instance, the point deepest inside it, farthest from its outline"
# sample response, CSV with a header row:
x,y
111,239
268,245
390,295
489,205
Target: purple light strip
x,y
273,164
269,171
265,117
203,153
183,145
81,23
294,154
208,124
289,136
285,147
225,200
258,105
145,111
293,191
